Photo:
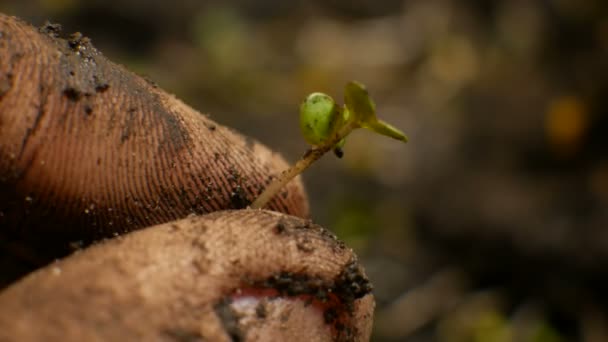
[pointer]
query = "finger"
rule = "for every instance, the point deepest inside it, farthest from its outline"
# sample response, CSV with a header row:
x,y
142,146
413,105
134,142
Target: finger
x,y
246,274
88,149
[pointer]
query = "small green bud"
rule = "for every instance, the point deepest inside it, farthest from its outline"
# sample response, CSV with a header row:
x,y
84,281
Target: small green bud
x,y
319,118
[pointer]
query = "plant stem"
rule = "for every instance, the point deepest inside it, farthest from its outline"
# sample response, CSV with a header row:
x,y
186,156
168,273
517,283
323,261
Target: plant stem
x,y
308,159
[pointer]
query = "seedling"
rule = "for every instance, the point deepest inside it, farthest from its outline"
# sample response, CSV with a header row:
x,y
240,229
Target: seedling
x,y
325,126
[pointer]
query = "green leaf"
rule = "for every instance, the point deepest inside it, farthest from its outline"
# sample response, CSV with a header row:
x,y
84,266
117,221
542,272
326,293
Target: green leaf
x,y
362,109
357,101
385,128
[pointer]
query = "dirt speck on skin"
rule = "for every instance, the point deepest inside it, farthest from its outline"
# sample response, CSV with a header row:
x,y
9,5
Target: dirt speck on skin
x,y
150,81
260,310
76,41
230,320
100,85
279,228
72,94
51,29
210,126
88,110
238,199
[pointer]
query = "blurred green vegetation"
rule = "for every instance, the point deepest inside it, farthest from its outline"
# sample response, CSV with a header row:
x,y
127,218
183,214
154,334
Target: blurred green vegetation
x,y
491,224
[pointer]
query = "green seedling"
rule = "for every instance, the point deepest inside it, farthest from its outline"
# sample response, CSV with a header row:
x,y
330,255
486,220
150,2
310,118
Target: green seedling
x,y
325,126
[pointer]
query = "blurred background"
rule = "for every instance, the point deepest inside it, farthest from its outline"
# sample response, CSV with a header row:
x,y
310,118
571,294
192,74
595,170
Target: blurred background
x,y
492,223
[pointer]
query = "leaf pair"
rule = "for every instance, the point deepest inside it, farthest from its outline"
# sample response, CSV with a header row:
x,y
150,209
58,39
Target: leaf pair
x,y
363,109
321,118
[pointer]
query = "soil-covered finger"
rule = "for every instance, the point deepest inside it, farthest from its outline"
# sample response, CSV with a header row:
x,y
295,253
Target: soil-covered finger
x,y
239,273
89,149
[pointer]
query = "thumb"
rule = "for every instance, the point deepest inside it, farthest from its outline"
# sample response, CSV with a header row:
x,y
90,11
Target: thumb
x,y
247,275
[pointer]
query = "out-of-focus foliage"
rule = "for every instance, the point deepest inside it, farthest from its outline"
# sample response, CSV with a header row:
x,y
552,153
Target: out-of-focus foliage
x,y
492,223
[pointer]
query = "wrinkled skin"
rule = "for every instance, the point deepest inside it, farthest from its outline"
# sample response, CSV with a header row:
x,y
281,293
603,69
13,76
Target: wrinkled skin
x,y
88,151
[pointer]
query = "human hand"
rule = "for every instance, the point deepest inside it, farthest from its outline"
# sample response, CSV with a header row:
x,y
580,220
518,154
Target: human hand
x,y
89,151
